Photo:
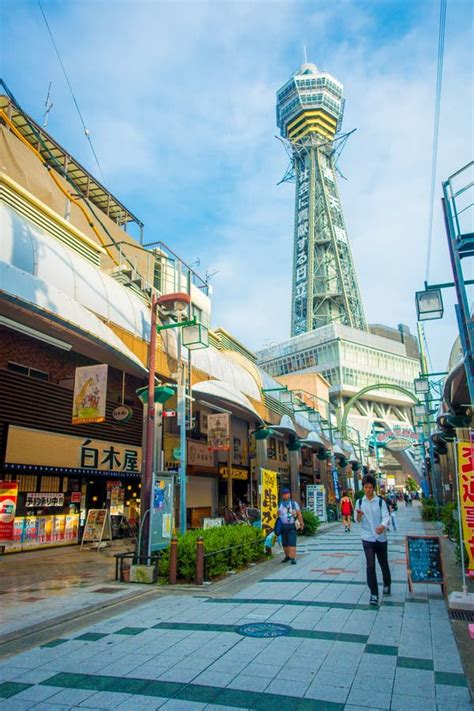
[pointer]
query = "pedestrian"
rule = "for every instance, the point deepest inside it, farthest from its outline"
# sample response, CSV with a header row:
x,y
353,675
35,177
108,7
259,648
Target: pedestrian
x,y
347,510
374,517
290,516
406,498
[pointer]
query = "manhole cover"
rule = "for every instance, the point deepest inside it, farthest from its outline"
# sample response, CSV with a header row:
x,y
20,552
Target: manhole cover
x,y
263,629
107,590
463,615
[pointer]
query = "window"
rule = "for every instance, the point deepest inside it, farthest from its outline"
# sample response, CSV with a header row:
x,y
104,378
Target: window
x,y
25,370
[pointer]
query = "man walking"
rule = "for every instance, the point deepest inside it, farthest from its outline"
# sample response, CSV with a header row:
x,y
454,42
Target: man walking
x,y
374,516
289,513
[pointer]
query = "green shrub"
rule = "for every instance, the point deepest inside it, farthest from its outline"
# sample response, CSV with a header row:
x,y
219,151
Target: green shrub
x,y
450,524
311,523
242,540
430,510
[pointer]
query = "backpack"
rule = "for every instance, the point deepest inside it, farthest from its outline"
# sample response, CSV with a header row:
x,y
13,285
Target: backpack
x,y
380,507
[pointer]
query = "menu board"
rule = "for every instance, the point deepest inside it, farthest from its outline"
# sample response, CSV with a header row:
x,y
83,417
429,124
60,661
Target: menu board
x,y
424,560
97,527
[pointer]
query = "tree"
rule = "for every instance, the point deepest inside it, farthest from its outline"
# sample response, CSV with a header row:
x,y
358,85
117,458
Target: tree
x,y
410,484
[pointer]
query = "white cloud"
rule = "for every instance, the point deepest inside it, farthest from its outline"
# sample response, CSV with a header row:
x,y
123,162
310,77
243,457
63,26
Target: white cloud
x,y
180,100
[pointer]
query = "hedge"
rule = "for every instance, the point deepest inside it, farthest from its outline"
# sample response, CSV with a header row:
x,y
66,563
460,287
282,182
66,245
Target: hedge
x,y
246,543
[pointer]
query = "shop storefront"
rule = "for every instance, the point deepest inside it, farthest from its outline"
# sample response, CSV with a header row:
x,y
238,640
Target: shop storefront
x,y
202,483
59,477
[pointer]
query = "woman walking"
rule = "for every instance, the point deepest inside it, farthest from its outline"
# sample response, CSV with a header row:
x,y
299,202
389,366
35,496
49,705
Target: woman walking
x,y
289,513
347,510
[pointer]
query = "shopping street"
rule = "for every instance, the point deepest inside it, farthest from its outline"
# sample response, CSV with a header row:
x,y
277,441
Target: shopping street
x,y
185,652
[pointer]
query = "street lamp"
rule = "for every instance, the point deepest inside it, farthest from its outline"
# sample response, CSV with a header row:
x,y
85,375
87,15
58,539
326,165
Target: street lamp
x,y
429,304
422,386
420,410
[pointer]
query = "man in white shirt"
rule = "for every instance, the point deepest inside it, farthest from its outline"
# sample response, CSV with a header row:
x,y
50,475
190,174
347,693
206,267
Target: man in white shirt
x,y
373,514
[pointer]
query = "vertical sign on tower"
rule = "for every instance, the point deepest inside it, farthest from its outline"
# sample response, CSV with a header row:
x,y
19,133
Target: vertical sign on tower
x,y
466,490
300,275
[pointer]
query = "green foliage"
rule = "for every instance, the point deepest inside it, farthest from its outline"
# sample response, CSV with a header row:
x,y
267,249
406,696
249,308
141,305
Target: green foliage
x,y
311,523
410,484
241,540
450,524
358,495
430,509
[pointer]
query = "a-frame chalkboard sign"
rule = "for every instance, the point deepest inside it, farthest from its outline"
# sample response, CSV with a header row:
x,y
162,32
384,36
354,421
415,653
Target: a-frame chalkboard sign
x,y
424,560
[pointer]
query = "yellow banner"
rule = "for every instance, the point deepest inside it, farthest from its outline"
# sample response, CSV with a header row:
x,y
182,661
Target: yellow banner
x,y
36,447
269,500
466,490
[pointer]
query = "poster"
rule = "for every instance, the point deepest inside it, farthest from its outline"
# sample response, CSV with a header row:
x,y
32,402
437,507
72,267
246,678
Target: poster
x,y
316,500
269,498
8,499
90,394
218,432
161,519
97,527
465,452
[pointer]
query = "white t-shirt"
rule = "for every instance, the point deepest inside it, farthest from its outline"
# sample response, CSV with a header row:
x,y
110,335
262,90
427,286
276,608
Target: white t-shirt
x,y
287,511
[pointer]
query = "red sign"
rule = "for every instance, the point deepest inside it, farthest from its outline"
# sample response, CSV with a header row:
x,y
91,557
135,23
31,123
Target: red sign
x,y
8,498
76,497
169,413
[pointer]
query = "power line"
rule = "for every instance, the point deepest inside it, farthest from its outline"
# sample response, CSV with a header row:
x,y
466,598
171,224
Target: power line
x,y
86,130
434,156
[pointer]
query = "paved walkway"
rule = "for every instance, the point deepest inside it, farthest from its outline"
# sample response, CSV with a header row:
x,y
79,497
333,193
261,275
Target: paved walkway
x,y
38,586
186,652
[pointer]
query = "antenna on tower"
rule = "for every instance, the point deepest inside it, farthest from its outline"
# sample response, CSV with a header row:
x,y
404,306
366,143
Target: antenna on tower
x,y
305,55
48,106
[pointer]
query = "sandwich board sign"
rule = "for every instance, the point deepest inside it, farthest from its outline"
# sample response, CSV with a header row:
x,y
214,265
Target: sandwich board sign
x,y
424,560
97,528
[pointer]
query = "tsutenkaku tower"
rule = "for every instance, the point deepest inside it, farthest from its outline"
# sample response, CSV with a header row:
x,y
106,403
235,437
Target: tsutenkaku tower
x,y
325,288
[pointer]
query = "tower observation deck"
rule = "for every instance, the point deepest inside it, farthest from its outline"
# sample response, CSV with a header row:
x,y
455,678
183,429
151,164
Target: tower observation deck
x,y
325,290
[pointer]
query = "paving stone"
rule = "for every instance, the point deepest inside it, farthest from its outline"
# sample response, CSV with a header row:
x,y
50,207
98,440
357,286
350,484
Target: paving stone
x,y
36,693
407,702
450,695
104,700
251,683
285,687
369,698
324,692
415,682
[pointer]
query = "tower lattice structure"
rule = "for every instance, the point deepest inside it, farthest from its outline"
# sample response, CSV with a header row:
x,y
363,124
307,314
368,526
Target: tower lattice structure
x,y
310,108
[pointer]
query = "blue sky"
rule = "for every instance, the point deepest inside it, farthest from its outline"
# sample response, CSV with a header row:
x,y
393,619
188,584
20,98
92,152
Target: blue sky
x,y
179,98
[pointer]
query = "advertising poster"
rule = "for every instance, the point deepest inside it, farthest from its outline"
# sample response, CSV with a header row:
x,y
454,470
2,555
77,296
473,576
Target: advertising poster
x,y
90,394
218,432
30,532
161,519
269,497
8,499
465,452
316,500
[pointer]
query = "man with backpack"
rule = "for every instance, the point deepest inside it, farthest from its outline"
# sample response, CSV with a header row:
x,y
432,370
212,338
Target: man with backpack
x,y
289,515
374,517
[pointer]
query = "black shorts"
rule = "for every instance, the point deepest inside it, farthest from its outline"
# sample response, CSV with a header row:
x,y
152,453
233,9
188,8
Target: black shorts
x,y
288,534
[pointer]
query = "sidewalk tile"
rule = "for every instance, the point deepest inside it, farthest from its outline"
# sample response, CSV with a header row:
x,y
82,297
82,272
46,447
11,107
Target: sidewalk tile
x,y
323,692
289,688
12,688
250,683
405,702
36,693
450,679
369,699
450,695
104,700
415,663
141,703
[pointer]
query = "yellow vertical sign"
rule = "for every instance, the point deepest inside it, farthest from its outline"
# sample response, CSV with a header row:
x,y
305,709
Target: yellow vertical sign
x,y
466,492
269,500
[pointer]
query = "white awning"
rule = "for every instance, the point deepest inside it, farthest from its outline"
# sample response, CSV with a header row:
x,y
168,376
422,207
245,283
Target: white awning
x,y
218,390
313,439
286,426
32,295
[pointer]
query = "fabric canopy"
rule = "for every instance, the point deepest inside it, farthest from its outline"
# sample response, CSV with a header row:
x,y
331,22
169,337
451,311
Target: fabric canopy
x,y
219,390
